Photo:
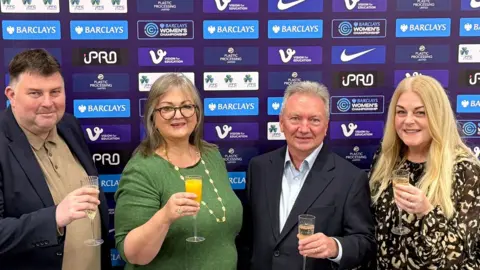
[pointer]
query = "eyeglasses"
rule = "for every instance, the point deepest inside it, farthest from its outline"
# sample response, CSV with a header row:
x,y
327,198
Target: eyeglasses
x,y
168,112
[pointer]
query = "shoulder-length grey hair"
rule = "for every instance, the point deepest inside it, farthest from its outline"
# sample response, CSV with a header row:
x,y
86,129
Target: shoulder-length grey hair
x,y
153,139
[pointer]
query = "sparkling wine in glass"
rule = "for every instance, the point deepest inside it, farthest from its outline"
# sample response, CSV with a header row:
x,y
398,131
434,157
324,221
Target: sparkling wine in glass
x,y
193,184
91,182
306,227
400,177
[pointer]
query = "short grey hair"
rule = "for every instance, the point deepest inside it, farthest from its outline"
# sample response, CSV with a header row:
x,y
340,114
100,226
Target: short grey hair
x,y
308,87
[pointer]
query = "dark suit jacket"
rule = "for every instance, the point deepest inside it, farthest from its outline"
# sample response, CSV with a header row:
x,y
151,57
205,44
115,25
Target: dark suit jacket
x,y
28,230
335,192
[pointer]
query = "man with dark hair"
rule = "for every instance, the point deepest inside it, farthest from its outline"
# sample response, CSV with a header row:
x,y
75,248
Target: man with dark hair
x,y
43,161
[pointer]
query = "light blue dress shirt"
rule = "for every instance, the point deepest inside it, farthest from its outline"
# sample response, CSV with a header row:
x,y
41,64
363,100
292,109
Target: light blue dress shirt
x,y
292,183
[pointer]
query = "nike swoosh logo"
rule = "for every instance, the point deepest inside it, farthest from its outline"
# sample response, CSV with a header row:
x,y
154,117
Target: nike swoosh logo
x,y
346,58
284,6
474,3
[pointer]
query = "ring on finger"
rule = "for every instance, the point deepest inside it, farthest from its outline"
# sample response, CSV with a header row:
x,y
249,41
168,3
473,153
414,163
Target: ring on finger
x,y
179,211
317,250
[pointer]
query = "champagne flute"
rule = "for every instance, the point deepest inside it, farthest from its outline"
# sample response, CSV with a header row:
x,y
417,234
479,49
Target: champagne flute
x,y
91,182
306,227
193,184
400,177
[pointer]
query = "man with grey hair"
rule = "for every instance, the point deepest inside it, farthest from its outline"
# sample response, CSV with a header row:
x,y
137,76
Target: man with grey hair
x,y
304,177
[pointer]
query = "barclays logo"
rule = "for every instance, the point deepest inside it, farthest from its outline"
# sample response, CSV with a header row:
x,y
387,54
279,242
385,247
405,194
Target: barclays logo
x,y
99,30
101,108
275,105
469,27
31,30
237,179
279,29
428,27
231,106
230,29
468,103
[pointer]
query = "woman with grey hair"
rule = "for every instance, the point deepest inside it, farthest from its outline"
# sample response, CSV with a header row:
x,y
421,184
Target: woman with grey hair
x,y
154,215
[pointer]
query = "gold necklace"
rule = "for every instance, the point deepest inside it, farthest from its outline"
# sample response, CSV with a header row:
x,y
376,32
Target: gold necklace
x,y
223,219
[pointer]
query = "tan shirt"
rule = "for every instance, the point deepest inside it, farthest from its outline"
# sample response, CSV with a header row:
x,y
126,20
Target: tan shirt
x,y
63,174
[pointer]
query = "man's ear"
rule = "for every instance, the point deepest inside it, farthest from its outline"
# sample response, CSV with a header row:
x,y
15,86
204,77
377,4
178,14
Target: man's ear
x,y
10,94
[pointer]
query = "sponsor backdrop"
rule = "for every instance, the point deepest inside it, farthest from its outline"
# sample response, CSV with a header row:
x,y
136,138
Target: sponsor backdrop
x,y
242,54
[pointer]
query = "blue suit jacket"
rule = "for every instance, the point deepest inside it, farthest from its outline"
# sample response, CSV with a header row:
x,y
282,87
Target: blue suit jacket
x,y
28,230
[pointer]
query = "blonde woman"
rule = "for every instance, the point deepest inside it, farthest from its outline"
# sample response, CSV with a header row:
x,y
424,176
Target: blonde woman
x,y
441,206
153,216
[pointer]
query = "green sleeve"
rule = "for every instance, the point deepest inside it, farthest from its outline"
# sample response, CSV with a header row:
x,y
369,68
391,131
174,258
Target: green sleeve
x,y
138,198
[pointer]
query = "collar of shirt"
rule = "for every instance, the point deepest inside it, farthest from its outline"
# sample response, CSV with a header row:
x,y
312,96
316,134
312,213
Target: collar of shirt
x,y
37,142
307,163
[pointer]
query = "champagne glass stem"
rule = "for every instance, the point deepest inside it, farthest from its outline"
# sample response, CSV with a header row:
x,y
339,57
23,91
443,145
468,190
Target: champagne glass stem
x,y
93,231
400,221
195,226
304,261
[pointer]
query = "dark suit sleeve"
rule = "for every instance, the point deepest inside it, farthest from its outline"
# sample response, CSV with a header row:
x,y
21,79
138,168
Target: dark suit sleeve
x,y
244,239
358,242
29,232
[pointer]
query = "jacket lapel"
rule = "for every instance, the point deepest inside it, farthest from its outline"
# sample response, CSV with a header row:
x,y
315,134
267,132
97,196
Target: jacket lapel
x,y
319,177
21,149
273,186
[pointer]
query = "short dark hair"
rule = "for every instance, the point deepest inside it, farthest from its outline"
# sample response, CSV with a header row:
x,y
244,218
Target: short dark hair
x,y
37,61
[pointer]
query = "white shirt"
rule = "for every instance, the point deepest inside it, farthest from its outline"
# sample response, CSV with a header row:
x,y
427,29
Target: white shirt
x,y
292,183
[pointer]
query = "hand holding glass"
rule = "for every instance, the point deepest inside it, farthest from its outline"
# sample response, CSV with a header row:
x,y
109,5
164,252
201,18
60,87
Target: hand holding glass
x,y
193,184
91,182
306,227
400,177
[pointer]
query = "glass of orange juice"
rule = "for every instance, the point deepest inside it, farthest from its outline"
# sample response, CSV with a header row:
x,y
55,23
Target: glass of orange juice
x,y
193,184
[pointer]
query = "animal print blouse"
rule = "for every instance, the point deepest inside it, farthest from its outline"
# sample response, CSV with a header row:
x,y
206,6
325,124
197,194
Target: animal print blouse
x,y
434,241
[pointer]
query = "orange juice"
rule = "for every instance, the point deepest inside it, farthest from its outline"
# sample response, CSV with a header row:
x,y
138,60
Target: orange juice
x,y
194,186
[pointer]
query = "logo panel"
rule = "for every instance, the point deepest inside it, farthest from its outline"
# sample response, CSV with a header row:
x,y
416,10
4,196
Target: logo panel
x,y
103,82
440,75
297,55
470,78
111,161
359,28
468,103
431,27
98,6
165,6
357,104
101,108
169,56
470,129
219,81
359,6
358,54
469,53
274,105
469,27
238,156
358,79
309,6
109,182
422,54
146,80
237,180
107,133
165,29
29,6
230,106
230,56
230,29
9,53
295,29
281,80
99,30
100,56
273,132
231,132
470,5
356,130
230,6
359,155
31,30
422,5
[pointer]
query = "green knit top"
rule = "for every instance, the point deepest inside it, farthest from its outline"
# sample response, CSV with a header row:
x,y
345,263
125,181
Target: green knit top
x,y
145,187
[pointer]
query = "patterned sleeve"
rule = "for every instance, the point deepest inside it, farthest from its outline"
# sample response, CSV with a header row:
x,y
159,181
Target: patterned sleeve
x,y
442,241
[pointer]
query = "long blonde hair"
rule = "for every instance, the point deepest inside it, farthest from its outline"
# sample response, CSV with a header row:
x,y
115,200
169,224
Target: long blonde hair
x,y
446,148
153,139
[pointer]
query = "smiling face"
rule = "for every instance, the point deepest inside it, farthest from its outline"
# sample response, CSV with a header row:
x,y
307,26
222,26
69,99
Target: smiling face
x,y
304,122
411,121
38,102
178,127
